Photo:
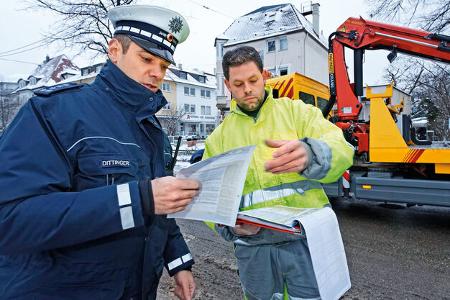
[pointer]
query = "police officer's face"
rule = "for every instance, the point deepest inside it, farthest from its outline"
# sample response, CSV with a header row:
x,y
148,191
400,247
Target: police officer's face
x,y
246,85
138,64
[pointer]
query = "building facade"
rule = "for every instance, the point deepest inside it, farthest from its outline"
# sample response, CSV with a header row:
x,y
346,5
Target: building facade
x,y
191,108
286,41
191,95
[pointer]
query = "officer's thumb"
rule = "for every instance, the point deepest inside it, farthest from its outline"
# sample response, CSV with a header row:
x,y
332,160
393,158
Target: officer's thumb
x,y
275,143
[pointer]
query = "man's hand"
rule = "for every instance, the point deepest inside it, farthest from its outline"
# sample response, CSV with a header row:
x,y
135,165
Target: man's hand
x,y
172,194
185,285
246,229
291,156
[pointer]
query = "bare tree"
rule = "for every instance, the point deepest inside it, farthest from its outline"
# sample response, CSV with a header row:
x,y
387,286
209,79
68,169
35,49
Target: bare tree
x,y
8,109
428,82
170,119
83,24
430,15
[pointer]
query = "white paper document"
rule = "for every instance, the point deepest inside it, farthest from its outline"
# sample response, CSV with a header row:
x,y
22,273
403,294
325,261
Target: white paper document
x,y
222,179
327,252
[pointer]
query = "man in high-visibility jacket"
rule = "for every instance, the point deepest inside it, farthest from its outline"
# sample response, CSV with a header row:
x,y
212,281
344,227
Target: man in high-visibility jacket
x,y
297,150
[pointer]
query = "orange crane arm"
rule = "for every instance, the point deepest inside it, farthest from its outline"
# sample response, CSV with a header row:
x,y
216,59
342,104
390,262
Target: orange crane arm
x,y
360,35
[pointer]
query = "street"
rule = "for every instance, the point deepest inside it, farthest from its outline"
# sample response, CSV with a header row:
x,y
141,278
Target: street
x,y
393,252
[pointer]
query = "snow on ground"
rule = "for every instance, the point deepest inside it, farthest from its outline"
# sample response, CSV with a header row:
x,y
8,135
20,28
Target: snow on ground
x,y
184,154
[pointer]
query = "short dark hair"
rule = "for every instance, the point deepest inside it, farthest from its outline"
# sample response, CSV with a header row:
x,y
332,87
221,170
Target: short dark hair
x,y
239,56
124,40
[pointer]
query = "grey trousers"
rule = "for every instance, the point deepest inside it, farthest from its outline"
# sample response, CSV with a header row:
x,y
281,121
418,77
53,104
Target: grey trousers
x,y
265,271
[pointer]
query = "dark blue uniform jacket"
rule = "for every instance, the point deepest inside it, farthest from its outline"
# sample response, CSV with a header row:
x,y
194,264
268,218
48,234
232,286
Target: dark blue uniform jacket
x,y
71,221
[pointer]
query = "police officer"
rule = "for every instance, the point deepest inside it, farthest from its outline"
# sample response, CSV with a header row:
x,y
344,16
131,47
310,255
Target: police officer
x,y
83,195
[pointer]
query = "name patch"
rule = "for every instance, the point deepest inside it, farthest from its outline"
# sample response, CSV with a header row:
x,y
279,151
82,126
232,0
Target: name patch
x,y
115,163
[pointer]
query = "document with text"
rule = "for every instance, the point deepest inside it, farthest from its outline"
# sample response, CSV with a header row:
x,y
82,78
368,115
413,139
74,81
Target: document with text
x,y
222,179
327,252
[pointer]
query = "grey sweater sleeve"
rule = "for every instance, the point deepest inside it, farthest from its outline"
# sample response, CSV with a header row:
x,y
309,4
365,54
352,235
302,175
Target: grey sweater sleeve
x,y
319,158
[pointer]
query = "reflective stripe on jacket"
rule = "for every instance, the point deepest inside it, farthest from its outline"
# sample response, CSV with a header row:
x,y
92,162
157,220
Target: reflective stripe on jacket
x,y
284,119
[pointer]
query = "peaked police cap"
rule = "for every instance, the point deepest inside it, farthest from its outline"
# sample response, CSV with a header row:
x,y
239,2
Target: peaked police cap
x,y
156,29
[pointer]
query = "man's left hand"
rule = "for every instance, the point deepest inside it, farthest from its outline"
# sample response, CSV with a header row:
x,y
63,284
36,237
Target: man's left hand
x,y
290,156
185,285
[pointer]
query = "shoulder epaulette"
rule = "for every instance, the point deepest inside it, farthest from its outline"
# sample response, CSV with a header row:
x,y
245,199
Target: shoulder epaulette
x,y
51,90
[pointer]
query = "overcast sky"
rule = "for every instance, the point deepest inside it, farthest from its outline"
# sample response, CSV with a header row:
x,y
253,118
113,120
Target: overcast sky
x,y
20,27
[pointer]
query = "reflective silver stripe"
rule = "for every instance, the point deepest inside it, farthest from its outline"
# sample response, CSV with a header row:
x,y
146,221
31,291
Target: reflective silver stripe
x,y
179,261
155,37
175,263
101,137
186,258
126,217
279,191
123,194
137,30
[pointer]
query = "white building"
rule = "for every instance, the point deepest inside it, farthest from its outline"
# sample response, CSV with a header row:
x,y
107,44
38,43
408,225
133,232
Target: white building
x,y
286,40
192,101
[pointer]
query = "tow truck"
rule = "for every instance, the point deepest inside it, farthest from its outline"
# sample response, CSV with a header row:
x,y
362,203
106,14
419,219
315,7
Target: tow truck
x,y
392,163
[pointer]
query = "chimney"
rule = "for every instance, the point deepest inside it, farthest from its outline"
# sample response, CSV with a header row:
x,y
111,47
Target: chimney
x,y
315,17
180,66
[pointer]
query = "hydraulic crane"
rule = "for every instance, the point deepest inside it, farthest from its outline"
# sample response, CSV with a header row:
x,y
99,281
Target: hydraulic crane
x,y
391,164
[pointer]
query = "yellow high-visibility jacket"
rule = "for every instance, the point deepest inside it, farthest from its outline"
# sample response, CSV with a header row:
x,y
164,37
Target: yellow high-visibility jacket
x,y
284,119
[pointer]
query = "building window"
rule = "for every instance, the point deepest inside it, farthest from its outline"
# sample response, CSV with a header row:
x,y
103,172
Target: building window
x,y
271,46
186,91
205,94
166,86
192,92
205,110
321,103
183,75
283,43
307,98
167,106
201,79
186,108
193,108
273,71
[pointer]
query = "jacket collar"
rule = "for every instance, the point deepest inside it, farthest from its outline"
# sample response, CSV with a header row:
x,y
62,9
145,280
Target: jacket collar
x,y
129,92
268,103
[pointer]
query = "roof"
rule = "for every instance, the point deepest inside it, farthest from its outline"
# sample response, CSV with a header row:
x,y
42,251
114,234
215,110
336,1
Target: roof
x,y
50,72
269,21
192,77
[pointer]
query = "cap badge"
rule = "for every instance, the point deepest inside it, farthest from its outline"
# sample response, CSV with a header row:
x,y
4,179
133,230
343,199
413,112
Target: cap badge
x,y
169,37
175,24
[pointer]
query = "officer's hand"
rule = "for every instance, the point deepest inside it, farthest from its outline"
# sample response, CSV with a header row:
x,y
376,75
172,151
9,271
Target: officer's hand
x,y
291,156
172,194
246,229
185,285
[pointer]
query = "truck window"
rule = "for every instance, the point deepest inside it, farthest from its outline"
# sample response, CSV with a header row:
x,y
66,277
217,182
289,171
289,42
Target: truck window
x,y
307,98
275,93
321,102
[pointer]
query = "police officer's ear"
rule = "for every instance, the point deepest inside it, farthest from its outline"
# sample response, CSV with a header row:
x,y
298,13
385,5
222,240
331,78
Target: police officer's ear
x,y
114,50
